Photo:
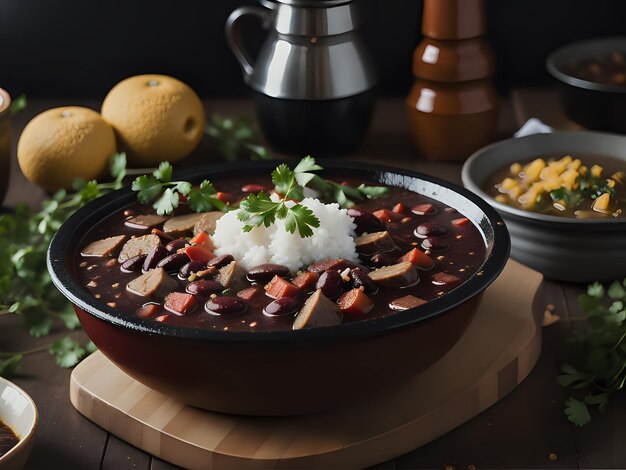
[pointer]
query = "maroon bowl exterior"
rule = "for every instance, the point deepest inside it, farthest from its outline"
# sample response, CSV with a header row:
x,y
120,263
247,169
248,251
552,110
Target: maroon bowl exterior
x,y
273,379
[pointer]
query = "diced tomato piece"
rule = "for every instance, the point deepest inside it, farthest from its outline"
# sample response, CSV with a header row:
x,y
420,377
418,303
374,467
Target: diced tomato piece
x,y
355,302
306,281
162,318
199,253
180,303
225,197
460,222
385,215
442,279
253,188
424,209
278,288
401,209
203,239
418,258
148,311
253,295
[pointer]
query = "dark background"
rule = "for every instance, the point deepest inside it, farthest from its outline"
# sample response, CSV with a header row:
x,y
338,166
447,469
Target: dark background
x,y
81,48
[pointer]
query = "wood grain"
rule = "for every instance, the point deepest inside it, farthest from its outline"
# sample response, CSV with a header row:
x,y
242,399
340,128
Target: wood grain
x,y
463,383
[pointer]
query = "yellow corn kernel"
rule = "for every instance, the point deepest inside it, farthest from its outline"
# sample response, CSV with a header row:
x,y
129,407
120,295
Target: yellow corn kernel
x,y
568,178
529,198
596,171
601,204
507,184
583,170
553,183
610,183
515,168
574,165
549,173
502,198
515,192
532,171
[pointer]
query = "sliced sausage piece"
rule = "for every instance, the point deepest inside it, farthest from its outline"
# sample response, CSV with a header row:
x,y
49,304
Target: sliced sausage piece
x,y
180,303
355,302
371,243
182,224
155,282
443,279
232,276
104,247
138,246
145,221
318,310
406,302
397,275
207,222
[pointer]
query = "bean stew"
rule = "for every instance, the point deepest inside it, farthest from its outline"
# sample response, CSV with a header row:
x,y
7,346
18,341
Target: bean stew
x,y
8,439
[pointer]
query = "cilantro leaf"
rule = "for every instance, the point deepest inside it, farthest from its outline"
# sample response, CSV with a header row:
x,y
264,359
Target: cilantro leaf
x,y
205,198
117,168
302,171
577,412
373,192
301,218
167,202
285,183
164,172
9,366
19,104
147,188
616,291
68,352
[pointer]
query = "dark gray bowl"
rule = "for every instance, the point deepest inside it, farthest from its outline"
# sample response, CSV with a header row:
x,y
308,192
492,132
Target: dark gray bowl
x,y
591,104
565,249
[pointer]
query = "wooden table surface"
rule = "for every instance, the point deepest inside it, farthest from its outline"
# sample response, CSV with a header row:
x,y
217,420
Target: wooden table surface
x,y
527,429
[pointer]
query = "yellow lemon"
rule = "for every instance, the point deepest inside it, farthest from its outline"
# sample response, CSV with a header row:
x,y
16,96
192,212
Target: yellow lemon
x,y
155,118
62,144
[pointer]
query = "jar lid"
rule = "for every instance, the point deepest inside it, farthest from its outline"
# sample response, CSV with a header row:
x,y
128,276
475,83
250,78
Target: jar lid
x,y
5,101
453,19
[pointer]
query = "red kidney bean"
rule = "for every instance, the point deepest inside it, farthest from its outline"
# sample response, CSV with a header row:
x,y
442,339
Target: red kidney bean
x,y
331,284
204,287
382,259
220,261
430,229
191,267
359,278
225,305
435,244
176,245
154,257
133,264
284,306
264,273
173,262
253,188
365,221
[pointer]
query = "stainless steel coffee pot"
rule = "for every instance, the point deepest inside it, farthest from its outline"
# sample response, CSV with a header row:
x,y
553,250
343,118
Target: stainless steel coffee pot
x,y
313,79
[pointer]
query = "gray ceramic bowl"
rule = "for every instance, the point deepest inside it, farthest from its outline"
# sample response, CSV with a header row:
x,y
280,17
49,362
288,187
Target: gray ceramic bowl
x,y
594,105
564,249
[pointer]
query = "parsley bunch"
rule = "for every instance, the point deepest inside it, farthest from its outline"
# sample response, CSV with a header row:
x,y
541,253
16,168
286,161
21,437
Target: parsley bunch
x,y
26,288
159,183
600,368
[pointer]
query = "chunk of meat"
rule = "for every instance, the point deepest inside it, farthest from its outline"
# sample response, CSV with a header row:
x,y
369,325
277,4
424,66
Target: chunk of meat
x,y
254,296
318,268
104,247
232,276
318,310
278,288
182,224
418,258
148,311
397,275
155,282
355,302
207,222
371,243
180,303
443,279
138,246
145,221
406,302
199,253
306,281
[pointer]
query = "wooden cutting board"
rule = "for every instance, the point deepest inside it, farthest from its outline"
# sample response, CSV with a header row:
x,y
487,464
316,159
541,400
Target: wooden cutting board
x,y
498,350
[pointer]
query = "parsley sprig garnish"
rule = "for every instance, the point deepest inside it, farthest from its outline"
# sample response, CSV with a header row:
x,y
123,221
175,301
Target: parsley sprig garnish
x,y
600,368
166,193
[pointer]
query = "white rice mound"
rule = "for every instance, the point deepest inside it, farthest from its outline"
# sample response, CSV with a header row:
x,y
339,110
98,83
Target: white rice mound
x,y
334,238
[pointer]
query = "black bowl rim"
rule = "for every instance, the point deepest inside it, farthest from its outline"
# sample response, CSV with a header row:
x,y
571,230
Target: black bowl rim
x,y
489,271
536,217
557,73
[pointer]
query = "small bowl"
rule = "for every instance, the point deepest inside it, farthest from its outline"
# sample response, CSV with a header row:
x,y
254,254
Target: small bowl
x,y
564,249
594,105
18,411
283,372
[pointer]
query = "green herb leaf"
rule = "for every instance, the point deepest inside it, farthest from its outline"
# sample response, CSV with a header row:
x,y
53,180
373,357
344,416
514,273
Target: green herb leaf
x,y
117,168
167,202
301,218
205,198
285,183
616,291
9,366
577,412
18,104
164,172
373,192
91,347
147,188
595,290
68,352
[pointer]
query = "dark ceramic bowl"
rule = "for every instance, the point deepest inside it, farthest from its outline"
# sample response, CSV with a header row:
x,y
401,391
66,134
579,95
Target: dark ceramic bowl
x,y
565,249
591,104
283,372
